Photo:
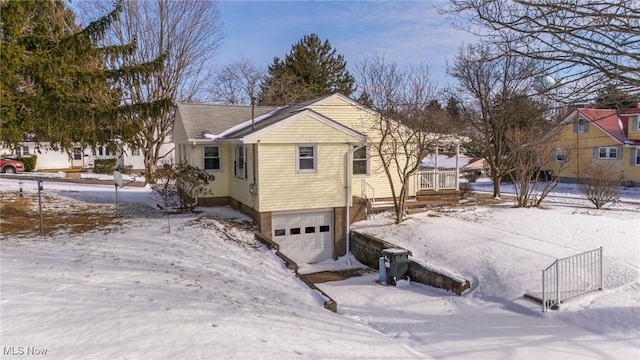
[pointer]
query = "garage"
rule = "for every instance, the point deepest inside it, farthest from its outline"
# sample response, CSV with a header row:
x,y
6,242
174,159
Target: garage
x,y
304,237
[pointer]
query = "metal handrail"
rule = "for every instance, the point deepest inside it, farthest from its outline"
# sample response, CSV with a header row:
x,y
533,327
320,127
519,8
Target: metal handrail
x,y
570,277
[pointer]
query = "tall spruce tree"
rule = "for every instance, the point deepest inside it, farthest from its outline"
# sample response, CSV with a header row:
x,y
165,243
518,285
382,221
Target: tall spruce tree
x,y
53,81
611,97
312,69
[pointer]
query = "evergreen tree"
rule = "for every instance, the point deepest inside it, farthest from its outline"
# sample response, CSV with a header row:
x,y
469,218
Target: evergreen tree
x,y
453,108
53,81
311,69
365,99
611,97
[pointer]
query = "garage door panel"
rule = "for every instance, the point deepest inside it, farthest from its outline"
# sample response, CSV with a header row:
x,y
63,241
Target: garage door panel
x,y
304,237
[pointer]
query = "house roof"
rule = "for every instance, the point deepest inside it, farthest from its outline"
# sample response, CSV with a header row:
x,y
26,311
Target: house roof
x,y
608,121
270,119
211,122
215,119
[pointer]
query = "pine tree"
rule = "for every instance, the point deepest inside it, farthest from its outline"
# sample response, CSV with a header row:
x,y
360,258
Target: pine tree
x,y
53,81
311,69
611,97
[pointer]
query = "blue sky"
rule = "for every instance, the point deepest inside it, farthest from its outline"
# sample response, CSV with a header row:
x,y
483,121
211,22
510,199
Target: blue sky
x,y
407,32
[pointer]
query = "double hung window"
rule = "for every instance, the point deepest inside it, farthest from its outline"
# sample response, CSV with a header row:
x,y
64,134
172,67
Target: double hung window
x,y
307,158
212,158
361,161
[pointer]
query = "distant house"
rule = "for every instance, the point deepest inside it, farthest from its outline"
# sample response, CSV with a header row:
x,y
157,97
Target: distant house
x,y
50,158
600,136
304,172
471,168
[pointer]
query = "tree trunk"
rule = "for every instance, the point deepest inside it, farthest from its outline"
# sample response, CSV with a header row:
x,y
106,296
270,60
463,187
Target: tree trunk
x,y
496,186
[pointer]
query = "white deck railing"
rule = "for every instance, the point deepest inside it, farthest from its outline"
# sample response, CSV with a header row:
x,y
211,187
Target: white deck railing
x,y
437,180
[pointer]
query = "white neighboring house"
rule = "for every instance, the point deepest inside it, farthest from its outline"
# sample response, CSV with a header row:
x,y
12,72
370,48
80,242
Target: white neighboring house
x,y
52,159
470,167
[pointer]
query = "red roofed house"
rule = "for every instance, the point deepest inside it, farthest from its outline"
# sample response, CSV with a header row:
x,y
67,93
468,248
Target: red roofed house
x,y
601,136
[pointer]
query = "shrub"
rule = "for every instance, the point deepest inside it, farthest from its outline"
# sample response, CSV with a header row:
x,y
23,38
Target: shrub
x,y
29,162
104,166
601,184
184,182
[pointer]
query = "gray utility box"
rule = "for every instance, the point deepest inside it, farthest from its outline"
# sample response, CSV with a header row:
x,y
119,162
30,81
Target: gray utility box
x,y
396,263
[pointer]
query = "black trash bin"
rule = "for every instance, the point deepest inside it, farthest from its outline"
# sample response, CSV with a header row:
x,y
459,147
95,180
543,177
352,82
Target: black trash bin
x,y
396,264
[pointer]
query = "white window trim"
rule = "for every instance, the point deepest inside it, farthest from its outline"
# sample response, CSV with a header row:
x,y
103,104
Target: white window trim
x,y
608,152
637,160
315,158
581,127
367,159
205,157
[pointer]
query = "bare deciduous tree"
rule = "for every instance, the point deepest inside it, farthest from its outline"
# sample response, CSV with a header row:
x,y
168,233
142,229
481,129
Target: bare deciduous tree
x,y
237,83
587,43
536,170
492,89
406,128
600,186
186,35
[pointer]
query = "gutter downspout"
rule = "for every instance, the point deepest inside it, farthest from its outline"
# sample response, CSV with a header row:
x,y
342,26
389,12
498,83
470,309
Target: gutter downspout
x,y
347,224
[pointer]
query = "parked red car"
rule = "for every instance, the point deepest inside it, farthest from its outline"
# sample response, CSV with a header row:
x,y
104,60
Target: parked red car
x,y
10,166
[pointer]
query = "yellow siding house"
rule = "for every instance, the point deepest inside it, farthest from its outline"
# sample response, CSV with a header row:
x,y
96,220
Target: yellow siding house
x,y
297,170
600,137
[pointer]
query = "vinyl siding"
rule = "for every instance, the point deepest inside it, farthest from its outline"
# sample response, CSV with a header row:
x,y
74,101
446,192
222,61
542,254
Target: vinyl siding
x,y
220,186
282,188
364,122
239,188
306,130
581,152
631,172
632,123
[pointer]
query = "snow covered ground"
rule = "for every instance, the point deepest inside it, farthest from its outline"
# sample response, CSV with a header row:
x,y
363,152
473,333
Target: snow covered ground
x,y
200,287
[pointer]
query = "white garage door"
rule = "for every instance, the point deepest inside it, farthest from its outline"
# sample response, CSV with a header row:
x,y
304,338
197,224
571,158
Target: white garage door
x,y
304,237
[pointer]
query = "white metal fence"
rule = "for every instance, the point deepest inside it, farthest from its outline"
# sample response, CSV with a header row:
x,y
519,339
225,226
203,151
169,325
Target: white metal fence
x,y
570,277
437,180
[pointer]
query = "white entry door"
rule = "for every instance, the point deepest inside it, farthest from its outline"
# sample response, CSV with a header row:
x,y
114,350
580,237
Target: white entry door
x,y
304,237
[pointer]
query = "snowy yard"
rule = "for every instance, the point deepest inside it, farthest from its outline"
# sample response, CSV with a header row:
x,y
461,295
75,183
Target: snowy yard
x,y
200,287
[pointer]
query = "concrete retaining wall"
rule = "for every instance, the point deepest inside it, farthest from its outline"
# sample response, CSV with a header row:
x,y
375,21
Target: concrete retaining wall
x,y
367,249
438,278
329,303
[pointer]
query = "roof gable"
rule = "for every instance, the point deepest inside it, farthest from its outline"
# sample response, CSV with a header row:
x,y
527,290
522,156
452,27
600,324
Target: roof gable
x,y
254,135
608,121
